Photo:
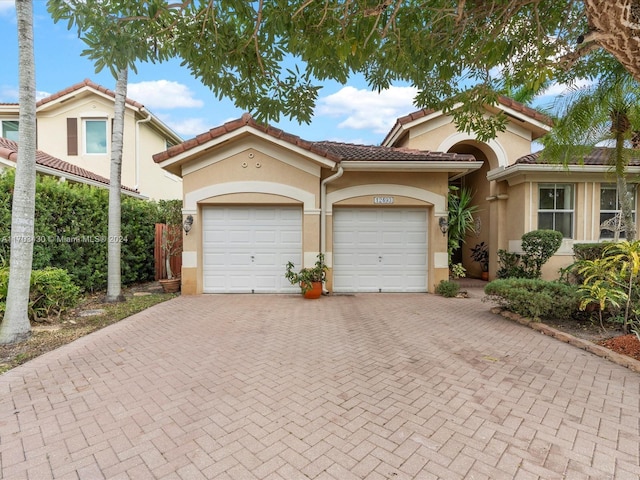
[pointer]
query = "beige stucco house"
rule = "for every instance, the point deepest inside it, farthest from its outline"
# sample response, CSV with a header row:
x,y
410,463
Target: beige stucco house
x,y
258,197
75,126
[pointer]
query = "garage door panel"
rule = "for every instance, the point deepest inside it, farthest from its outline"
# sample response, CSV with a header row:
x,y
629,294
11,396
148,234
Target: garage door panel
x,y
246,248
380,249
364,239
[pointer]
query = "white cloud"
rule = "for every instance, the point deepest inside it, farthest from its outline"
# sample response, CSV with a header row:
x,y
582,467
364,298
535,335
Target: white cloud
x,y
365,109
562,88
187,127
8,94
7,6
163,95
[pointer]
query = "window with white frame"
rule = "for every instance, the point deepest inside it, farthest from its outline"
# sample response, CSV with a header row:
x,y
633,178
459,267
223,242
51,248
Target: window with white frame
x,y
10,129
95,136
555,207
610,208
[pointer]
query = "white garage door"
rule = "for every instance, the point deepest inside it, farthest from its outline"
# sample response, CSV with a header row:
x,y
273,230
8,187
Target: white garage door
x,y
379,250
246,249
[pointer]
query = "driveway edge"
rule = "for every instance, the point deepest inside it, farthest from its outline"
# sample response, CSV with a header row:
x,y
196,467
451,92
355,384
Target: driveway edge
x,y
617,358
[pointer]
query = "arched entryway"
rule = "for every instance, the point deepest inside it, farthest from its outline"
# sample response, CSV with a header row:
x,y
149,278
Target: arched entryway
x,y
483,191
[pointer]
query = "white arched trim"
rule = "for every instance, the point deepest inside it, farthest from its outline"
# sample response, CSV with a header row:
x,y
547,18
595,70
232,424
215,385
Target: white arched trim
x,y
308,199
438,201
460,137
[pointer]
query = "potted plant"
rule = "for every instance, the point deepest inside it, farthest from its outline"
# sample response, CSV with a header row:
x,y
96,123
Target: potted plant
x,y
310,279
480,254
171,214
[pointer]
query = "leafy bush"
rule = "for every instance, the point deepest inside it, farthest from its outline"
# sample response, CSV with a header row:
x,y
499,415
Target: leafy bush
x,y
538,247
534,298
4,282
4,286
51,293
588,251
612,282
457,270
509,265
447,288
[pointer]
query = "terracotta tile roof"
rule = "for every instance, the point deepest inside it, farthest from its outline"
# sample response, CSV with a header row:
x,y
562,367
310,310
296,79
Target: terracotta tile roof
x,y
9,151
347,151
504,101
85,83
596,156
331,150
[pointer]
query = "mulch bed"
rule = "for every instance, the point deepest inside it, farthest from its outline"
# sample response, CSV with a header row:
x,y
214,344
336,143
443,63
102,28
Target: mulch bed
x,y
624,344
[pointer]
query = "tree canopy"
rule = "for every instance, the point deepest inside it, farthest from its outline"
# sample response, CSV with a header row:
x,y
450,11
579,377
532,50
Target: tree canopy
x,y
269,57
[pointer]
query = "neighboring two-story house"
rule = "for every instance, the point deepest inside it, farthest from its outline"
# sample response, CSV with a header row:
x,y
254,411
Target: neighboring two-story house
x,y
75,126
257,197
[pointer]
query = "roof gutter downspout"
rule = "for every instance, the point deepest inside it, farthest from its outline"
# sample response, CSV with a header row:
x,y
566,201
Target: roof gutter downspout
x,y
138,122
323,213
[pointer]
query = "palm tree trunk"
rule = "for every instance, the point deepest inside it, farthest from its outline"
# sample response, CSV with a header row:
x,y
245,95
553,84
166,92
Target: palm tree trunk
x,y
15,325
626,198
114,287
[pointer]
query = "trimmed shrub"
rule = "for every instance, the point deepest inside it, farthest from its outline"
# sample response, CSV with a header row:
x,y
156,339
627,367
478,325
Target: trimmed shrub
x,y
538,247
447,288
534,298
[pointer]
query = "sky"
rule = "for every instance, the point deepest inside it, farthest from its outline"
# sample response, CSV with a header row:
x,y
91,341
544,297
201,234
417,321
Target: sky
x,y
345,113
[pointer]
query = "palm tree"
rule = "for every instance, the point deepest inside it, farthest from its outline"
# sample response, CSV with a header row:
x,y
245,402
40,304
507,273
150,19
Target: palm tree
x,y
606,112
114,285
15,325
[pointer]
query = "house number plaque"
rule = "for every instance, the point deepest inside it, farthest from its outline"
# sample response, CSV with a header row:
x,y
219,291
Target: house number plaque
x,y
382,200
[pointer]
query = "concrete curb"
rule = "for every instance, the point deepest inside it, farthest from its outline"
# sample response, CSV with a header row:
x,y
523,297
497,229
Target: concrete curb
x,y
622,360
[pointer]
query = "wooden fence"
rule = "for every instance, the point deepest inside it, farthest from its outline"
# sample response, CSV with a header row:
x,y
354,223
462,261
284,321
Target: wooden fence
x,y
174,240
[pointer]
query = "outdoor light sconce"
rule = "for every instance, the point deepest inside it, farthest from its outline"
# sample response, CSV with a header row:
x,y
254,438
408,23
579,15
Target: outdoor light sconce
x,y
188,223
444,225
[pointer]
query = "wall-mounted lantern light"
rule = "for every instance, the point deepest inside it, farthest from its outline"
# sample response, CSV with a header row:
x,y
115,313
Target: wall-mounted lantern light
x,y
443,223
188,223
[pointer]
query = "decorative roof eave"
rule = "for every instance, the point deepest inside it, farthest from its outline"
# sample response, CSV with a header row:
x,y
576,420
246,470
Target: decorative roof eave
x,y
511,108
173,158
417,166
507,173
407,122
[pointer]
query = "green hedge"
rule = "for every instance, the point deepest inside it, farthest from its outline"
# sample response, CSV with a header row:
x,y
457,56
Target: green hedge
x,y
534,298
71,231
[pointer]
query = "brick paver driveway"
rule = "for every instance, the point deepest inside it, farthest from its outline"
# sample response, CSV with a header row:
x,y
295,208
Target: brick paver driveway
x,y
373,386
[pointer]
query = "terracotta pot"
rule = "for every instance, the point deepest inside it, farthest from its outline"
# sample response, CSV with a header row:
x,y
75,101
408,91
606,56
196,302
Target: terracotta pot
x,y
315,292
484,276
170,285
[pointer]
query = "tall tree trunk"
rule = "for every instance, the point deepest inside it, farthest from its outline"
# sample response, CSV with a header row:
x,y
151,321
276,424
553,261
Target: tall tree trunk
x,y
615,26
114,288
15,325
625,197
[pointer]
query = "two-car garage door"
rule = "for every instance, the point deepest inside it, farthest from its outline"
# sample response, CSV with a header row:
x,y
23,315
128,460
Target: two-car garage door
x,y
245,249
